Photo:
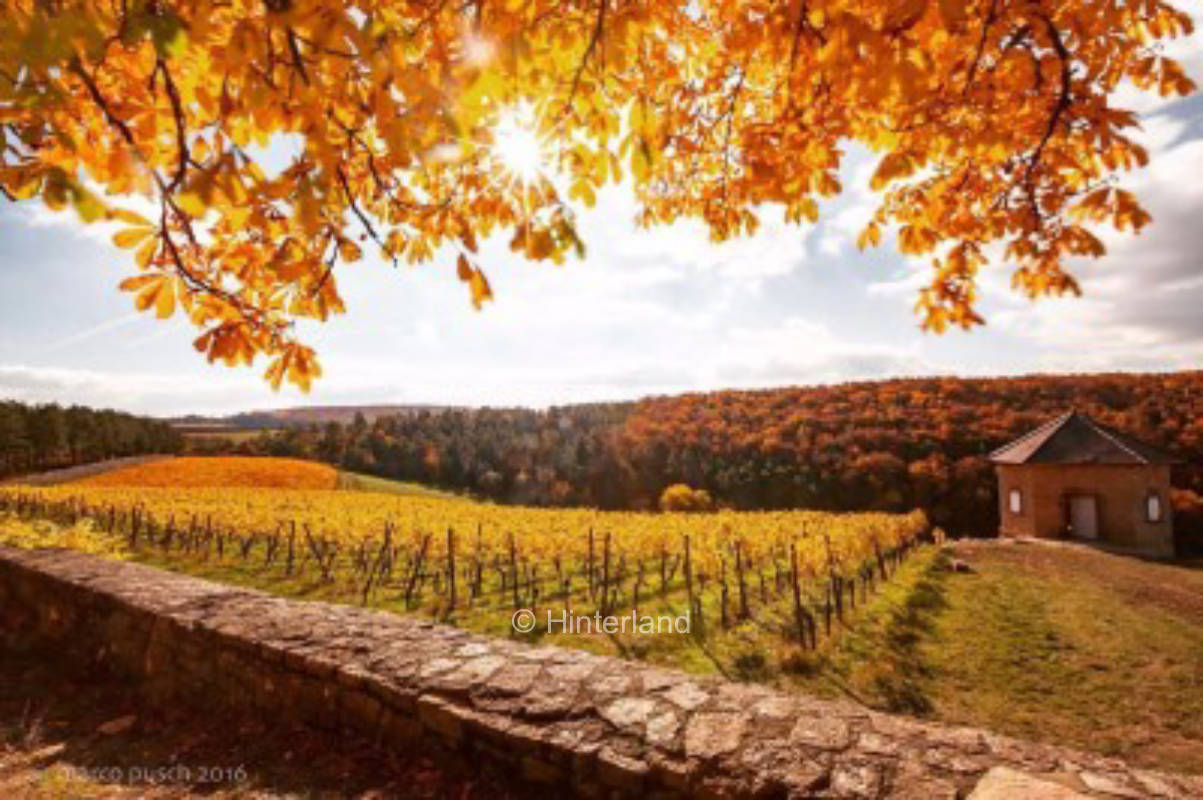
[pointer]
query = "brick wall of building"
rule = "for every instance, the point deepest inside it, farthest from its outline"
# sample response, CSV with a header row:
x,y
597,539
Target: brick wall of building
x,y
1121,492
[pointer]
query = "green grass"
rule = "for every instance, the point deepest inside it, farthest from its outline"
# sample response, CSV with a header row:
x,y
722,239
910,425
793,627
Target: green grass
x,y
230,435
1063,645
1074,648
356,482
879,659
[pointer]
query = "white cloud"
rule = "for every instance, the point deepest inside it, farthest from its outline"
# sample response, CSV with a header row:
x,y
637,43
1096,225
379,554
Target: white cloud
x,y
146,392
1141,300
905,281
67,221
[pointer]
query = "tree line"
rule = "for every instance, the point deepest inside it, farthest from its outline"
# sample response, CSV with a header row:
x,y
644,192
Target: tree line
x,y
896,444
886,445
40,437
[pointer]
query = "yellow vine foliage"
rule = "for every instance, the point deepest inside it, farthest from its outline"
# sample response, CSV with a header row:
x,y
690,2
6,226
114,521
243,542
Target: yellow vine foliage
x,y
83,536
993,120
231,472
822,540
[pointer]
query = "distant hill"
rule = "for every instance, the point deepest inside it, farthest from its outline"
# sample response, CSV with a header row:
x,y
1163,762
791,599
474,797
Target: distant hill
x,y
305,415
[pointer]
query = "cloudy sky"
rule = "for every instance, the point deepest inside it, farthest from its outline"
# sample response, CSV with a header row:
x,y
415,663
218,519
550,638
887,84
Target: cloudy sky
x,y
646,313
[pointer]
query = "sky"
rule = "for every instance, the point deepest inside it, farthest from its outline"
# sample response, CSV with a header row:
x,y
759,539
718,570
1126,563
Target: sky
x,y
646,312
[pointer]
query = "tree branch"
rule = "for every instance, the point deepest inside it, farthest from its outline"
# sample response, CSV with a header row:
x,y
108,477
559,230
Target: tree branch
x,y
181,138
102,104
599,27
1064,101
297,60
367,224
991,17
250,313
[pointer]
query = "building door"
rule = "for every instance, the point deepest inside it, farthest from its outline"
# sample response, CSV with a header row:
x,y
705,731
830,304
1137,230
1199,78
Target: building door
x,y
1084,516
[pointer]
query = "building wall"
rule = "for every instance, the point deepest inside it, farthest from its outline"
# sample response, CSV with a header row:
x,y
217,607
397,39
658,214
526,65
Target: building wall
x,y
1121,493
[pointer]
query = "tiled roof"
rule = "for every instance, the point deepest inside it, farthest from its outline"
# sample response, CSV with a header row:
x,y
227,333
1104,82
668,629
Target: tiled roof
x,y
1075,438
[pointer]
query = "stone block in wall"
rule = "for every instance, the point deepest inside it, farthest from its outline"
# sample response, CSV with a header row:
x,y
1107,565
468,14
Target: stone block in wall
x,y
360,712
442,718
538,771
399,729
620,771
1004,783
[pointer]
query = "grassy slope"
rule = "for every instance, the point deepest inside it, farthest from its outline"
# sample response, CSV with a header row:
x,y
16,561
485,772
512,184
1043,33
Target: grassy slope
x,y
1058,644
356,482
877,659
1071,645
233,436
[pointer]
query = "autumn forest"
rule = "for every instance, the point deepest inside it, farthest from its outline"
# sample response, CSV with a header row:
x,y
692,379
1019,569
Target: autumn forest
x,y
891,445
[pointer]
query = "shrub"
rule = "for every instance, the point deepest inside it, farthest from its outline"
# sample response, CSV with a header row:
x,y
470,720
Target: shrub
x,y
680,497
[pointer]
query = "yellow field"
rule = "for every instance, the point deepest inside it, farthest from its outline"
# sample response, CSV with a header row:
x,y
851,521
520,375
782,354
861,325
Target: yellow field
x,y
791,573
822,540
231,472
83,536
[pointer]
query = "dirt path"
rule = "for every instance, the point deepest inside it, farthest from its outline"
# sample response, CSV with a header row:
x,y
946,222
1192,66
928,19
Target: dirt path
x,y
57,476
1174,587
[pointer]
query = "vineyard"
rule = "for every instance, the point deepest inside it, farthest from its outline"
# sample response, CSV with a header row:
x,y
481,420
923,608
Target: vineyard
x,y
795,574
211,473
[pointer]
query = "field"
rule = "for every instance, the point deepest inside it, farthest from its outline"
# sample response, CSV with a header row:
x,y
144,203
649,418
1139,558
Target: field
x,y
356,482
759,587
239,472
224,435
219,473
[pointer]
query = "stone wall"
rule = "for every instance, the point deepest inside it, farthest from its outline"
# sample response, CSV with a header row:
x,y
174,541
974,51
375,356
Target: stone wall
x,y
583,724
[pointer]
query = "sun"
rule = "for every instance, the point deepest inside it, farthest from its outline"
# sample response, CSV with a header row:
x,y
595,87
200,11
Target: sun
x,y
519,149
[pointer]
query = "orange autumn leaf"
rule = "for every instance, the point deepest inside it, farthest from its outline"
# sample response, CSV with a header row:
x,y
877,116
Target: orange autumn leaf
x,y
992,122
131,237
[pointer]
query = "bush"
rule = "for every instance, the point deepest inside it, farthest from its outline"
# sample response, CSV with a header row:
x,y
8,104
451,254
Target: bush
x,y
680,497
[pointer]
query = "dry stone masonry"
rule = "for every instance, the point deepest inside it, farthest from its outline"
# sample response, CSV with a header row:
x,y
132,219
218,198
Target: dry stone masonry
x,y
583,724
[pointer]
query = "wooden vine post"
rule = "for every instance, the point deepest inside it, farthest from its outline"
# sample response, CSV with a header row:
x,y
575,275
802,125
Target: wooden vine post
x,y
450,570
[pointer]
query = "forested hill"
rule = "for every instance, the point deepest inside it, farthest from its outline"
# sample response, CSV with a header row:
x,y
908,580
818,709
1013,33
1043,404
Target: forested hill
x,y
41,437
891,445
895,444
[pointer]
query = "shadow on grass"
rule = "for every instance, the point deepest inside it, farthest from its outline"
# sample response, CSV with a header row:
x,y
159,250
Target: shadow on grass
x,y
901,685
880,660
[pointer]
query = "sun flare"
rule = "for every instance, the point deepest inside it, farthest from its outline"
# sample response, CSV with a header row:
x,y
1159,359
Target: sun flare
x,y
519,149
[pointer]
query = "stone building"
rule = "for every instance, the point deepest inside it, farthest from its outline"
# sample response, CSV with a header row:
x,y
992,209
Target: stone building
x,y
1075,478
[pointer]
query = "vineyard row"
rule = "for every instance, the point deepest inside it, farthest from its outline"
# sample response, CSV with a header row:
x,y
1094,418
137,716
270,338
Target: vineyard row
x,y
803,585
